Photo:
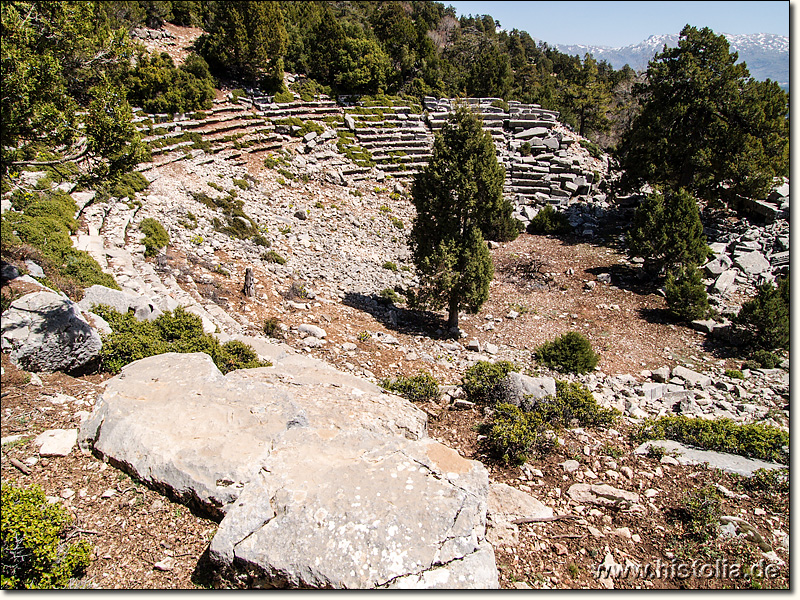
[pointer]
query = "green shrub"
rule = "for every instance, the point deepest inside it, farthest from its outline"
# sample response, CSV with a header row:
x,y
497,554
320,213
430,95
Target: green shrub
x,y
667,232
34,552
573,406
419,388
480,380
241,184
500,104
127,185
512,433
686,294
549,221
273,257
771,486
762,359
155,236
389,295
284,96
45,223
594,149
569,353
389,265
525,149
260,240
397,222
765,319
703,508
734,374
270,327
772,481
158,87
172,331
753,440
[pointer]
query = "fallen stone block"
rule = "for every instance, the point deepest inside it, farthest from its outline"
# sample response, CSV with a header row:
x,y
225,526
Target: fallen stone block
x,y
686,455
319,478
43,331
56,442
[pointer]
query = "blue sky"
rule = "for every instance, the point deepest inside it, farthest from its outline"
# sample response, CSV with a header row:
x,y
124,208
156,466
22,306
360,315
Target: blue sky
x,y
623,23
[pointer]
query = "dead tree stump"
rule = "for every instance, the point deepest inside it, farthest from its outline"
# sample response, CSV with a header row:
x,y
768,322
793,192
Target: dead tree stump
x,y
249,283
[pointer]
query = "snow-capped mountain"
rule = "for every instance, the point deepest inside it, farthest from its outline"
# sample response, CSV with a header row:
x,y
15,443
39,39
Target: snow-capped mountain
x,y
766,54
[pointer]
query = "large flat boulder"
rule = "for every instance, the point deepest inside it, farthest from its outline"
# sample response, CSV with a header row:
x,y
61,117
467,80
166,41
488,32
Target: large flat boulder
x,y
355,510
319,478
43,331
687,455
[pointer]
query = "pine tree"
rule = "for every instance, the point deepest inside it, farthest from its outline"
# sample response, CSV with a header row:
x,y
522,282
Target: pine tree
x,y
247,40
705,124
458,198
588,98
667,232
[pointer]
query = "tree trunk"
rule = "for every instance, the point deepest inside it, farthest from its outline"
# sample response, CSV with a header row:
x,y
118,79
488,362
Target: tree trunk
x,y
249,283
452,320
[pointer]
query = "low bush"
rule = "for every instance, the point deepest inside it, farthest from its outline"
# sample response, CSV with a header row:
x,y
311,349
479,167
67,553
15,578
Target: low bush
x,y
481,379
500,104
594,149
172,331
734,374
419,388
271,327
703,508
156,85
569,353
686,294
40,228
389,265
762,359
390,296
155,236
525,149
765,319
273,257
34,553
549,221
574,406
284,96
753,440
512,433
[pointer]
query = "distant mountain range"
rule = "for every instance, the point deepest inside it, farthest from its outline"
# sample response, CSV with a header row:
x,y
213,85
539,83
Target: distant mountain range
x,y
766,54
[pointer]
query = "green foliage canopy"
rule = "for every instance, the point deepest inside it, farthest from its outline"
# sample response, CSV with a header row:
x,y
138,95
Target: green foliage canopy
x,y
667,231
247,40
61,65
705,124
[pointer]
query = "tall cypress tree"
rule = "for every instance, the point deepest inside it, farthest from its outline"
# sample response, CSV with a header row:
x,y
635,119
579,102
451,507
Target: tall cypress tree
x,y
458,198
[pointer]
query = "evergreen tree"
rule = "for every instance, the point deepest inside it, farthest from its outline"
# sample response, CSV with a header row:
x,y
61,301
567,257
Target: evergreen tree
x,y
667,232
490,75
765,319
458,196
588,98
59,60
686,293
248,40
705,124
